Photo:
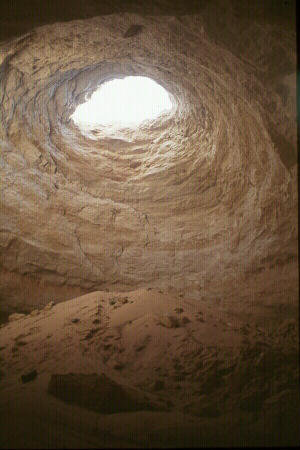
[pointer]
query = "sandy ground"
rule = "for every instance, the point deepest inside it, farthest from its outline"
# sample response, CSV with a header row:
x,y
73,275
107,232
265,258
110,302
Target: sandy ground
x,y
218,380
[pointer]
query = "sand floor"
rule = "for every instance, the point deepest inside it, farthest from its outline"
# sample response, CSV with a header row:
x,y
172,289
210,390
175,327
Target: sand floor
x,y
216,380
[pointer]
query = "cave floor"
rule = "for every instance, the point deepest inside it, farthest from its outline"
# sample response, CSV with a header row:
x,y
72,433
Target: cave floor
x,y
207,377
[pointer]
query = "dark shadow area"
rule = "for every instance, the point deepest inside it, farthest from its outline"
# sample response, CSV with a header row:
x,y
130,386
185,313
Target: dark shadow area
x,y
287,153
20,16
3,317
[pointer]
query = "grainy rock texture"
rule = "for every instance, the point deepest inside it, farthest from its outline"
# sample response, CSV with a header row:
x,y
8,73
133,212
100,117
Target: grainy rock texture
x,y
198,198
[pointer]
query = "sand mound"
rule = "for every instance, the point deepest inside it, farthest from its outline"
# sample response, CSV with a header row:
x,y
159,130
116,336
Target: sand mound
x,y
111,356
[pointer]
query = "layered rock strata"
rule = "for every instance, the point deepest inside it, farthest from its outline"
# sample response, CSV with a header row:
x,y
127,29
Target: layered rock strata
x,y
205,194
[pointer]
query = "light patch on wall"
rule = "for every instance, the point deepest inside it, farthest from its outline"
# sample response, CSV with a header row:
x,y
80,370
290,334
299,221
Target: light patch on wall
x,y
123,103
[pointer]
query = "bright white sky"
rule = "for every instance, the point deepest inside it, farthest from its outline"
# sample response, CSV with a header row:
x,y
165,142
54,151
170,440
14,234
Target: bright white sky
x,y
123,102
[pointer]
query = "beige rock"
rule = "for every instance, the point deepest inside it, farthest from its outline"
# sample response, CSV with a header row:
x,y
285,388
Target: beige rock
x,y
206,195
49,306
15,316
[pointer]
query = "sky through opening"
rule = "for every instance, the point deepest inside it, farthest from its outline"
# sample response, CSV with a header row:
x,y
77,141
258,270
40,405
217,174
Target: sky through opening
x,y
123,103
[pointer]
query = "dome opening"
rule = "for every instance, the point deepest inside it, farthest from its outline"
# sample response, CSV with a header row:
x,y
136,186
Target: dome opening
x,y
123,103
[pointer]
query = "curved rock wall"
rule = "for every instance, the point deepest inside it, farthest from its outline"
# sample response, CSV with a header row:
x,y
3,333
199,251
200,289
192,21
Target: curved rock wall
x,y
207,194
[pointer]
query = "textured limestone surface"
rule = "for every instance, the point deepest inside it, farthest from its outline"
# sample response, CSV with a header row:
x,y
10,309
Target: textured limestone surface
x,y
203,196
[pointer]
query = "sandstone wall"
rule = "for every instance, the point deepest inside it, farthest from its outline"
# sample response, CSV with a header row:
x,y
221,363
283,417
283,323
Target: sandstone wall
x,y
204,196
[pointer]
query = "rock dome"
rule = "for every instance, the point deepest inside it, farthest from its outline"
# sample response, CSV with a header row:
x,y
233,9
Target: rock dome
x,y
203,196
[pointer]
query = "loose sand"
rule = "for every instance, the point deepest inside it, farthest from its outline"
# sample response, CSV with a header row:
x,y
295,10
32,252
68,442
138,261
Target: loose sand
x,y
218,380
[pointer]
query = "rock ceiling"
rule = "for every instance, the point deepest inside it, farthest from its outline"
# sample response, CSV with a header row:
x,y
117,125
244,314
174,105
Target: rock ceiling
x,y
209,193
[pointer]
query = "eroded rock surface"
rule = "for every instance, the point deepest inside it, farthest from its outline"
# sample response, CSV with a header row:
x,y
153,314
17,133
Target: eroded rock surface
x,y
202,197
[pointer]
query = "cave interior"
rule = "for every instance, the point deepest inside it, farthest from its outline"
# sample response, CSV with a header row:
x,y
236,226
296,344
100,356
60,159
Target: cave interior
x,y
149,288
